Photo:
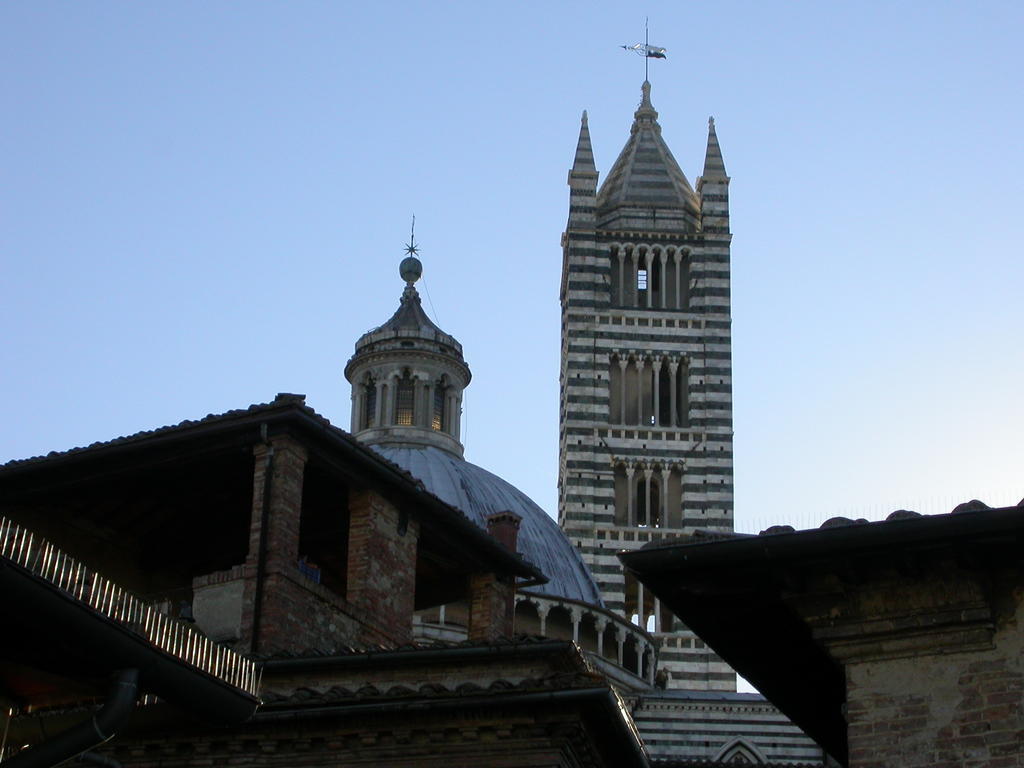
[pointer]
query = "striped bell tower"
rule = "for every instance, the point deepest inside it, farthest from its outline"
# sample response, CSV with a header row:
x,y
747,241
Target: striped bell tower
x,y
645,438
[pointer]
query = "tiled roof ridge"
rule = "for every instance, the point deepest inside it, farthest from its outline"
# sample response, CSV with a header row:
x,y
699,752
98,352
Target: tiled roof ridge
x,y
313,654
336,693
281,400
967,507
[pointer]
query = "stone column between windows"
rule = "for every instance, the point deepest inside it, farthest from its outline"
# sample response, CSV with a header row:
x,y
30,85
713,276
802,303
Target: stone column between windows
x,y
429,410
649,260
656,386
640,390
673,369
621,252
630,493
665,474
647,496
657,615
576,616
602,625
623,363
357,398
663,277
677,257
634,291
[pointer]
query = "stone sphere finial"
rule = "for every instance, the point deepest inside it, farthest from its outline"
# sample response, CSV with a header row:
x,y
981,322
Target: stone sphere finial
x,y
411,269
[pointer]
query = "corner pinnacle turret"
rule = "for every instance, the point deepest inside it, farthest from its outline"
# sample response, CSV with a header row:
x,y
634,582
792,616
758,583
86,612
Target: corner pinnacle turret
x,y
583,163
714,165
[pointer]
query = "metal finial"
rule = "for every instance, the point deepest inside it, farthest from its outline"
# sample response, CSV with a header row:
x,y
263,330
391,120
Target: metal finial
x,y
411,268
411,248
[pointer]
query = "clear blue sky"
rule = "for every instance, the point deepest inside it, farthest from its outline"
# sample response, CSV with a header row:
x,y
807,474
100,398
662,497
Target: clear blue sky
x,y
204,204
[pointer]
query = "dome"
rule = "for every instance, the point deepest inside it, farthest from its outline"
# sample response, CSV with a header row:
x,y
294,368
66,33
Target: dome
x,y
479,493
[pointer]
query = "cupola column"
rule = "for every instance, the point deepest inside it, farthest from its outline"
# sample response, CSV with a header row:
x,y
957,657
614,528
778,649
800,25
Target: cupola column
x,y
428,407
457,416
379,408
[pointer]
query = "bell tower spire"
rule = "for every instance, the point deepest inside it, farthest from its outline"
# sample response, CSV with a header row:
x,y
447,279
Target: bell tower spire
x,y
645,438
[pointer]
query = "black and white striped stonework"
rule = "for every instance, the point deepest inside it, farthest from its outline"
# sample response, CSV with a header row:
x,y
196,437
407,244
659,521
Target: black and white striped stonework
x,y
645,427
645,441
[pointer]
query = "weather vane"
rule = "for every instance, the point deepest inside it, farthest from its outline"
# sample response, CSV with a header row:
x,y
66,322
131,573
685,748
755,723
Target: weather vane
x,y
411,248
646,50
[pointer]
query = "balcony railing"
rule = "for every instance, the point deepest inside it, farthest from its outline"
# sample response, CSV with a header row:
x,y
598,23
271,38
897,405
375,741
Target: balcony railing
x,y
172,636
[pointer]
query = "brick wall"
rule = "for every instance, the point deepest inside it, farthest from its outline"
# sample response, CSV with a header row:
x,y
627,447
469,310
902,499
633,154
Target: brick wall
x,y
294,613
491,607
382,564
934,670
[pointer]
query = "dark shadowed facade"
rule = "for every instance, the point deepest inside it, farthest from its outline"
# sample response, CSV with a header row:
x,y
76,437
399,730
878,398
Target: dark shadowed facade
x,y
895,643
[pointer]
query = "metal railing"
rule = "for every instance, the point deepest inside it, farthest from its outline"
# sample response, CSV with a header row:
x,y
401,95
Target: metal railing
x,y
172,636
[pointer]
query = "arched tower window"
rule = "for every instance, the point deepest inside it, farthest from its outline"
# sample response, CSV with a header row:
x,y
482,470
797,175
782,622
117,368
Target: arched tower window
x,y
405,401
683,396
647,490
664,396
369,403
439,417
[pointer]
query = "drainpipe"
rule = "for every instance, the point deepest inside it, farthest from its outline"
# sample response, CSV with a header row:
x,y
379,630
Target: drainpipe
x,y
124,692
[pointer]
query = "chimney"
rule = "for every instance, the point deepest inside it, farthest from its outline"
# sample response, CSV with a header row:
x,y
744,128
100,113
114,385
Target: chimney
x,y
504,526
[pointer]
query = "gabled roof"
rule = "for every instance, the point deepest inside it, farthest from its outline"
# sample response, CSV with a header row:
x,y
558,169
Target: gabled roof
x,y
646,176
286,414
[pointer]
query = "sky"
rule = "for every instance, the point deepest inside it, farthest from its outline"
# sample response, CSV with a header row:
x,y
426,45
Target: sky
x,y
204,204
